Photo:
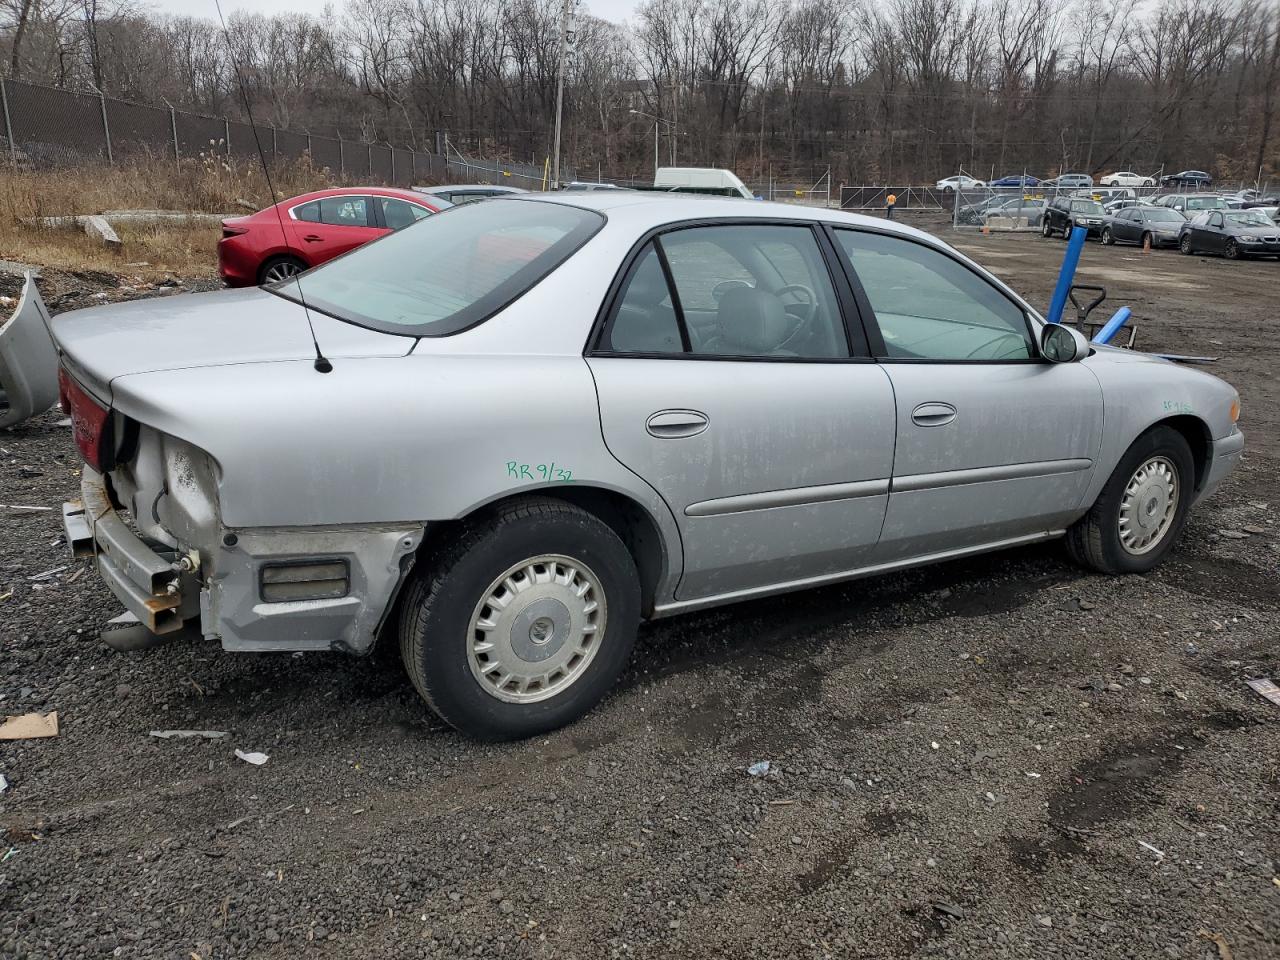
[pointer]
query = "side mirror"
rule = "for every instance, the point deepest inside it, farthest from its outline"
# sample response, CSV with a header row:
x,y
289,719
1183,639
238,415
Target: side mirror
x,y
1062,344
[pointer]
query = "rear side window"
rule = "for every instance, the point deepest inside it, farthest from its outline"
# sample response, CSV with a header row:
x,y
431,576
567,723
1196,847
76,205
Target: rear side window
x,y
645,321
308,212
931,307
344,211
398,213
450,272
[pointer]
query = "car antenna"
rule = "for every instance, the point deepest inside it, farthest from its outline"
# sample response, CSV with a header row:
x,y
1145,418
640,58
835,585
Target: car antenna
x,y
321,363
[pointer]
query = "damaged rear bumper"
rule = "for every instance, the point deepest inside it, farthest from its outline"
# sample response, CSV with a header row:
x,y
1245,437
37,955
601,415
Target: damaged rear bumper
x,y
148,583
226,584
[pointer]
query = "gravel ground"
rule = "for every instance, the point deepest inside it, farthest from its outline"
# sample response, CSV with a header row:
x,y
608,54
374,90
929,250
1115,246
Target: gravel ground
x,y
1003,757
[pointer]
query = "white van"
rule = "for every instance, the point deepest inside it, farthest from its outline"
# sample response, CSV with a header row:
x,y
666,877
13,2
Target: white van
x,y
700,180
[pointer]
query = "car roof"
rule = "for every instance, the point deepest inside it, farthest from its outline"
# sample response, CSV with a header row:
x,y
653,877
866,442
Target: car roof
x,y
455,187
647,210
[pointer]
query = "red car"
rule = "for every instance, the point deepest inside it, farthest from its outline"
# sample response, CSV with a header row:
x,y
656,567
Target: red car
x,y
317,227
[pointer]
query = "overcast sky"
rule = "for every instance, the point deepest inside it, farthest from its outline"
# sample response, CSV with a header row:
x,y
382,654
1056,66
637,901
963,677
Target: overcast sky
x,y
609,9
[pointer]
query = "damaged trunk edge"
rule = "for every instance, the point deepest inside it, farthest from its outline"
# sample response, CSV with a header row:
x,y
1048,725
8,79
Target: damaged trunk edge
x,y
28,359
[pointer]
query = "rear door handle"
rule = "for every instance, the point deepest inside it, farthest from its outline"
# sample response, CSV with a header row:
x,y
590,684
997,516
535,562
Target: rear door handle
x,y
312,238
675,424
933,414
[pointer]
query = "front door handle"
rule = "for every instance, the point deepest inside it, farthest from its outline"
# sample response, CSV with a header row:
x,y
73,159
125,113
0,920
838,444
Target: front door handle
x,y
674,424
933,414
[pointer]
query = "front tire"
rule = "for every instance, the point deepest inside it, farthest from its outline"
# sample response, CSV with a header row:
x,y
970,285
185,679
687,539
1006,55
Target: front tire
x,y
1107,238
1141,511
1045,230
1185,245
523,621
1232,250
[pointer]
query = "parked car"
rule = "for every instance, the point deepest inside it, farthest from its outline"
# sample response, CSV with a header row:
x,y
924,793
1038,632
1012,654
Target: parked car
x,y
1232,233
456,193
588,186
1015,180
1160,226
1105,195
1068,181
1064,213
1021,211
963,182
972,213
1127,178
1189,203
1112,206
510,538
1196,179
304,231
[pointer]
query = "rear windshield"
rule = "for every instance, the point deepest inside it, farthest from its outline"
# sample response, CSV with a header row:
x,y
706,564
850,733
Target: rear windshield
x,y
1249,218
1162,213
449,271
1086,206
1206,203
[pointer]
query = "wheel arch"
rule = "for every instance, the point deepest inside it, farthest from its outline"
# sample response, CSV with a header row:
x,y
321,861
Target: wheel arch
x,y
1199,438
634,524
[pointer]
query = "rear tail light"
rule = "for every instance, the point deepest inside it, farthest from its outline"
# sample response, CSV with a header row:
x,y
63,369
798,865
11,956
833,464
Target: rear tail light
x,y
294,580
90,422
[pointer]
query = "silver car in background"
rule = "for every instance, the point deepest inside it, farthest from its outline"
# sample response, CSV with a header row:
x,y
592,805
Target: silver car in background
x,y
539,420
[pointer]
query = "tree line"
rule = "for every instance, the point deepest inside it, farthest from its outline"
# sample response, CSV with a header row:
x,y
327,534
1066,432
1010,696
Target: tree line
x,y
893,90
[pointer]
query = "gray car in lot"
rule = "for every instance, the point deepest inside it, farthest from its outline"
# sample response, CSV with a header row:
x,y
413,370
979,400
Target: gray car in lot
x,y
1143,224
537,421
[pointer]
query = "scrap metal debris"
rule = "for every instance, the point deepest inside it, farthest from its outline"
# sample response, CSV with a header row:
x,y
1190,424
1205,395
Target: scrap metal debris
x,y
1218,940
1266,688
257,759
30,726
189,734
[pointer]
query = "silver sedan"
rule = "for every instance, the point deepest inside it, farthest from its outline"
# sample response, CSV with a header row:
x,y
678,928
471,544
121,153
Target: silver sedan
x,y
505,435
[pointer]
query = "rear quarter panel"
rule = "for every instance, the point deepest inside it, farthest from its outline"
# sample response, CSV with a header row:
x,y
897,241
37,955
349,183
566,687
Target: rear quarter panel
x,y
388,440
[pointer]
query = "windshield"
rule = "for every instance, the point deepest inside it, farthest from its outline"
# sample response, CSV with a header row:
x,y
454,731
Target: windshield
x,y
1162,214
1249,218
449,271
1086,206
1206,203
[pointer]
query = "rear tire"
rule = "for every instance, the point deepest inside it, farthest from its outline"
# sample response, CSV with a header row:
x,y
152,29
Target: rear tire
x,y
538,591
279,268
1141,511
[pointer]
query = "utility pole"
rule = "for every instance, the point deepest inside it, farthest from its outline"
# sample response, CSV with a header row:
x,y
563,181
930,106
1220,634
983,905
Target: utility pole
x,y
566,43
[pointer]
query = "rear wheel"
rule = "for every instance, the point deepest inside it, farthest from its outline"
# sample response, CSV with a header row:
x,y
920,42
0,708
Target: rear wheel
x,y
523,621
280,268
1137,518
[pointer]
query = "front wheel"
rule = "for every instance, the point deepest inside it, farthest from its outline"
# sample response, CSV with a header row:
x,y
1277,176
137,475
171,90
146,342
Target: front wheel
x,y
523,621
1045,230
1107,238
1185,245
1147,242
1231,250
1137,518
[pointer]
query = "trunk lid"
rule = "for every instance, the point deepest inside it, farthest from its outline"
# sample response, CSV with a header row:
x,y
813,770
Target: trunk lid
x,y
207,330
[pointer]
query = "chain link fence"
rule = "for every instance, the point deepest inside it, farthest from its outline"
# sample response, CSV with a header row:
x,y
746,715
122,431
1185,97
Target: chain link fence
x,y
46,127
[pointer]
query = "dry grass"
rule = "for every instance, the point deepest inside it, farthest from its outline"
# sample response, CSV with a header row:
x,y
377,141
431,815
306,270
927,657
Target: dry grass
x,y
211,184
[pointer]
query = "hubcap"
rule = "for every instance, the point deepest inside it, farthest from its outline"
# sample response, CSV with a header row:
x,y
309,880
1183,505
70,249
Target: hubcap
x,y
536,629
1148,507
281,271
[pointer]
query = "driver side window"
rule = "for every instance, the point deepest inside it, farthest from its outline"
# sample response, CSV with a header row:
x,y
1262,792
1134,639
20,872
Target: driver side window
x,y
931,307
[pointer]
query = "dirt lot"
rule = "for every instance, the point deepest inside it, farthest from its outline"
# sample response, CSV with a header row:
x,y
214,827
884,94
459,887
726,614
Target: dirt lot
x,y
999,758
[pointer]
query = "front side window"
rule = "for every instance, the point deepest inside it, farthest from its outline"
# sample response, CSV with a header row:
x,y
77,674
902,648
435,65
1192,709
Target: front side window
x,y
931,307
449,272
